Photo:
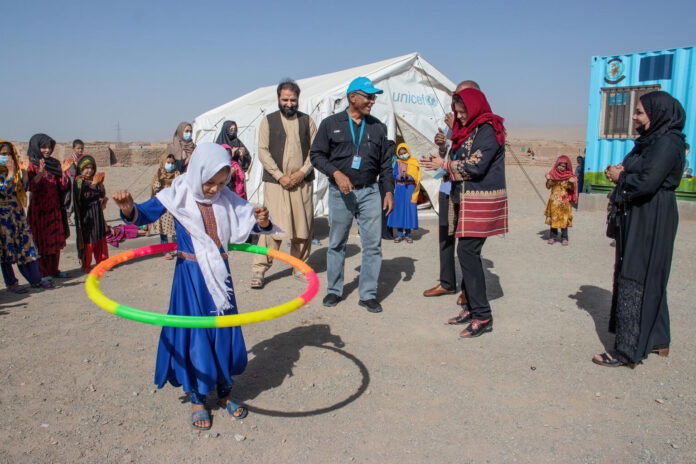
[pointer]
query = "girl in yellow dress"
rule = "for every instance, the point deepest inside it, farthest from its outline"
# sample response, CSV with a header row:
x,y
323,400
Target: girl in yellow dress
x,y
558,212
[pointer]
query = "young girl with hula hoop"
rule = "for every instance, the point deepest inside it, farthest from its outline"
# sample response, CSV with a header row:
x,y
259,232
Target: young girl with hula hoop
x,y
207,217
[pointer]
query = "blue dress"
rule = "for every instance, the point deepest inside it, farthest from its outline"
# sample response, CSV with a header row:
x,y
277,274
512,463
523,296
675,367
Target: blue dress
x,y
405,214
197,359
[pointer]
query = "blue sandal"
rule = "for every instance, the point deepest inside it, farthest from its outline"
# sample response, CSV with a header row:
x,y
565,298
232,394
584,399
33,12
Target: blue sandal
x,y
232,407
201,415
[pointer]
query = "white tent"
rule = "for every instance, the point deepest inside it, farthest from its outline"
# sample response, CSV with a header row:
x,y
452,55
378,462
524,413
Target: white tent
x,y
416,96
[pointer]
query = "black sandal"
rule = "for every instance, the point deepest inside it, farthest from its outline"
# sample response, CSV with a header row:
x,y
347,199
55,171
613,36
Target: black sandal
x,y
608,361
477,328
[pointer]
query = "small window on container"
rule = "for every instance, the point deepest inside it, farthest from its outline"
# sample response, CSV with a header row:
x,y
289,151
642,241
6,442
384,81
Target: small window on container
x,y
618,104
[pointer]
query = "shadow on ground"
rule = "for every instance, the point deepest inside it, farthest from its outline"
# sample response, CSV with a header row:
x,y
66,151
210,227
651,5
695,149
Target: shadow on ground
x,y
274,359
393,271
597,302
493,288
544,234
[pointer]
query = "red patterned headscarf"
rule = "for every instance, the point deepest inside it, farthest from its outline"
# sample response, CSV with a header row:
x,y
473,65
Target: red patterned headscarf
x,y
555,174
479,112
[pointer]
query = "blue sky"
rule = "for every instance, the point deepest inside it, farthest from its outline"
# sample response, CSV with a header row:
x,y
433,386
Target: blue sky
x,y
76,68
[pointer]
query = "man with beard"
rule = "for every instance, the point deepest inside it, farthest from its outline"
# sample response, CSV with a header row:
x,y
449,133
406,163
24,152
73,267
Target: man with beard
x,y
285,137
352,150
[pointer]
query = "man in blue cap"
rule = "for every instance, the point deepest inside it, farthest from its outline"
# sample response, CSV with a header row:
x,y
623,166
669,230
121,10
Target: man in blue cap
x,y
352,149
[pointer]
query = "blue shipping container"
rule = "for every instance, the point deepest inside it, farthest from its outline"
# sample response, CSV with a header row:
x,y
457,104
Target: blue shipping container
x,y
616,84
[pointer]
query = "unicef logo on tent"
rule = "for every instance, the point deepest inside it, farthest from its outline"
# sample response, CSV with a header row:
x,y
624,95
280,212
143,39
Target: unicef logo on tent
x,y
414,99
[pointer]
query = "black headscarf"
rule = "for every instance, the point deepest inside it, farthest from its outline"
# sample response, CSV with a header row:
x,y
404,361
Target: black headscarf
x,y
667,117
35,155
225,138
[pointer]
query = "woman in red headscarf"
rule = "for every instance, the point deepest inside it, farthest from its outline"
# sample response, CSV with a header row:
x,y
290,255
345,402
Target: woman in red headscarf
x,y
564,191
478,200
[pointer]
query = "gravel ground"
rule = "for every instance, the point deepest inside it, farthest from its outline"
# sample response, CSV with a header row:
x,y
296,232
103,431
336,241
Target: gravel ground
x,y
344,385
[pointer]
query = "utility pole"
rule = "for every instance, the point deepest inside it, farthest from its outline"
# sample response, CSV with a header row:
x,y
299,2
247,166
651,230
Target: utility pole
x,y
118,132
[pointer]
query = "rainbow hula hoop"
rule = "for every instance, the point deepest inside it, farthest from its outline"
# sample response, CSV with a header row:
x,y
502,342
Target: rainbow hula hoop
x,y
167,320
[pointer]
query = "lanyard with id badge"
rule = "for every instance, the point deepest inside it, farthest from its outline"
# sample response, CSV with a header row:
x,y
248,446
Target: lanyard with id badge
x,y
356,158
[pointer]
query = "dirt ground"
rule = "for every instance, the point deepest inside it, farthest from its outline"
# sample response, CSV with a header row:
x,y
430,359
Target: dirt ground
x,y
332,385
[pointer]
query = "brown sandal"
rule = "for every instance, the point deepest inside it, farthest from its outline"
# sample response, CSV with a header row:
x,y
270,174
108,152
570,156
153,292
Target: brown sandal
x,y
398,239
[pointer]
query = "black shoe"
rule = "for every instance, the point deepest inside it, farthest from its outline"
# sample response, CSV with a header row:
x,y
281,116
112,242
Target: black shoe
x,y
477,328
464,317
371,305
331,299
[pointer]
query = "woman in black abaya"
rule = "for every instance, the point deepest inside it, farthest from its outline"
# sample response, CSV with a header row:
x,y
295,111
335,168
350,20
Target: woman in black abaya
x,y
644,221
228,135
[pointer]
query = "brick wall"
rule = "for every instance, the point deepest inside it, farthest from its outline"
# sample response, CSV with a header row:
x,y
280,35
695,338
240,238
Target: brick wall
x,y
110,154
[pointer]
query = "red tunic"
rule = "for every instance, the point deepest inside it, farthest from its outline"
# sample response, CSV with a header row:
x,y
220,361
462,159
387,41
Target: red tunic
x,y
45,211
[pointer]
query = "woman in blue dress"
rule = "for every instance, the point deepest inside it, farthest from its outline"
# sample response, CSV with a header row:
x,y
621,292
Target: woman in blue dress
x,y
207,217
16,240
407,179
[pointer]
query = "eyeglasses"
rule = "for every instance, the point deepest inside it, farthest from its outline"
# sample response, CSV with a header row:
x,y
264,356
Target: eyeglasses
x,y
371,96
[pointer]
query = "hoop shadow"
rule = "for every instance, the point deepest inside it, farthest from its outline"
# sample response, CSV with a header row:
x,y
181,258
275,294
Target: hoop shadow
x,y
275,358
596,301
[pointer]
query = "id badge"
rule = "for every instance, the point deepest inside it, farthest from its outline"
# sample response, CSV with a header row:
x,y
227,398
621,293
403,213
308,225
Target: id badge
x,y
356,162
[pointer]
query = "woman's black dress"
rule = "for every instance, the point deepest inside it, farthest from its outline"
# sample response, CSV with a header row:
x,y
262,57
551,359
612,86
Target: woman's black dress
x,y
646,223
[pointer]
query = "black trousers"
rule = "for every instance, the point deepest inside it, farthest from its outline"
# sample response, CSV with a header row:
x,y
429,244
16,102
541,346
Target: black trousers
x,y
473,277
564,233
447,272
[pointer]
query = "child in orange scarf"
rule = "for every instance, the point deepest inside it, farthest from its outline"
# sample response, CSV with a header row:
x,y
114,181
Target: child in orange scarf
x,y
407,178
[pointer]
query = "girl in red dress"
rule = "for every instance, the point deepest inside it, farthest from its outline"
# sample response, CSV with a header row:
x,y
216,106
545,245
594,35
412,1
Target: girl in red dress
x,y
47,219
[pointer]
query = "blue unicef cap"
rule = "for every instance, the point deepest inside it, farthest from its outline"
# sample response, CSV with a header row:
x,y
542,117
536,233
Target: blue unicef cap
x,y
362,84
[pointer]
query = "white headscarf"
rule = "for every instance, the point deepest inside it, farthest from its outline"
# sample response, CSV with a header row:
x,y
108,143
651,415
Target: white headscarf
x,y
233,215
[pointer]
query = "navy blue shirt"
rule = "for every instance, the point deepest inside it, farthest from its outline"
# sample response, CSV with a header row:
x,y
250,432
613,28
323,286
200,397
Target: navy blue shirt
x,y
333,150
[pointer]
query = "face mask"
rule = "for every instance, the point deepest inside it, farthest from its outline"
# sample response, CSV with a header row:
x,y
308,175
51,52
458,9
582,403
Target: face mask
x,y
4,159
232,134
169,167
404,156
187,136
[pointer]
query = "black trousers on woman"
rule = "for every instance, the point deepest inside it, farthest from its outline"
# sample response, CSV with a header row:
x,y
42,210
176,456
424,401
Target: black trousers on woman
x,y
447,273
473,277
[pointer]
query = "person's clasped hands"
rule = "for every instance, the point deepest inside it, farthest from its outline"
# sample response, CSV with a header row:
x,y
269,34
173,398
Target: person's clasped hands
x,y
613,172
